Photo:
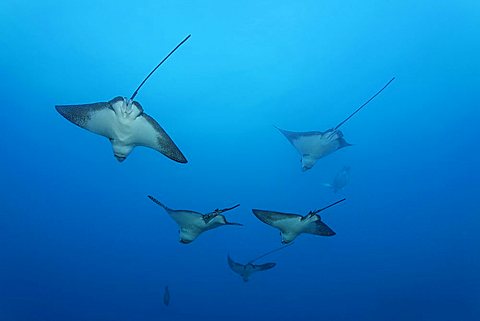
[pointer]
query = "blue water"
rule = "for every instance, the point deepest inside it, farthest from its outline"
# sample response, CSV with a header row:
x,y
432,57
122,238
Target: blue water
x,y
79,240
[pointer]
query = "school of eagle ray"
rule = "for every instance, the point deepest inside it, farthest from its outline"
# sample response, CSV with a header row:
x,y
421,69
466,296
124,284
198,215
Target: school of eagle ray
x,y
126,125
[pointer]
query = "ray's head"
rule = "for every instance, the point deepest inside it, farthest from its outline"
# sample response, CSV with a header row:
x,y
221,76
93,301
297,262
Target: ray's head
x,y
187,236
121,151
307,162
120,158
288,237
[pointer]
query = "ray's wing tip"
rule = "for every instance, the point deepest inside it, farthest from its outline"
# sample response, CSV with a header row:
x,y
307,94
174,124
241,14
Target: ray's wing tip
x,y
281,130
182,159
233,223
177,156
329,232
262,215
60,109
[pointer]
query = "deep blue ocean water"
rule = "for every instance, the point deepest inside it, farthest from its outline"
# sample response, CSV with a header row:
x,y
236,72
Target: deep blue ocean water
x,y
79,239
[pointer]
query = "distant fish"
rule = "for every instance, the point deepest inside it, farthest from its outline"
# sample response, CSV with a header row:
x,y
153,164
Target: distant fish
x,y
292,225
124,123
340,180
166,296
246,270
192,224
316,144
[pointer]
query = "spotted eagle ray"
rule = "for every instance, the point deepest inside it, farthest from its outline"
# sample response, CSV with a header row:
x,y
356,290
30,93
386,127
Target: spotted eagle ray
x,y
192,224
246,270
340,180
292,225
315,144
124,123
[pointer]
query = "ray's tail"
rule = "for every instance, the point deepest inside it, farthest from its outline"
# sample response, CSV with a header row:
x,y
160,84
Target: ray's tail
x,y
161,62
328,206
269,252
157,202
364,104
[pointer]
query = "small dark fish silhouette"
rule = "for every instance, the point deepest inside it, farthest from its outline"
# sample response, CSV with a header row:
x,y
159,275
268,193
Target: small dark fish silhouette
x,y
166,296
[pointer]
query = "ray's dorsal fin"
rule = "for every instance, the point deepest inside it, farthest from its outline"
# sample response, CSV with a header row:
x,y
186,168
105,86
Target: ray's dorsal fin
x,y
364,104
154,69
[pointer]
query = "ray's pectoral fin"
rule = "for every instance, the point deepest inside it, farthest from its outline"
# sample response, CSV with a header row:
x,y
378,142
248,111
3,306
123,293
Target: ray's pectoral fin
x,y
236,267
343,143
319,228
233,223
148,133
97,117
265,266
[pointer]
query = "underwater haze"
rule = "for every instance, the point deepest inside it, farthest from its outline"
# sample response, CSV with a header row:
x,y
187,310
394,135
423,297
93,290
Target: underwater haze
x,y
80,240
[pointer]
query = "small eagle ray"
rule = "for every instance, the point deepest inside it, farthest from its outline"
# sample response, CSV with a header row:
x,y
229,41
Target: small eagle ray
x,y
314,145
292,225
192,223
246,270
340,180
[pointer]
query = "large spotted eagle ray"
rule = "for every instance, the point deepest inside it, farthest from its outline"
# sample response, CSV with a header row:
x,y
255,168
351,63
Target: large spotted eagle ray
x,y
316,144
124,123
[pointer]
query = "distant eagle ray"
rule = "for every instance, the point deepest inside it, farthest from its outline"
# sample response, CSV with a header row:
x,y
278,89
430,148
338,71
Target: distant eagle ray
x,y
340,180
246,270
192,224
292,225
316,144
124,123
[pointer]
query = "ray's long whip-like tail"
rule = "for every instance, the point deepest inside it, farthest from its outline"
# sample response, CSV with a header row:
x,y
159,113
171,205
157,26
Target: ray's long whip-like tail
x,y
328,206
154,69
269,252
364,104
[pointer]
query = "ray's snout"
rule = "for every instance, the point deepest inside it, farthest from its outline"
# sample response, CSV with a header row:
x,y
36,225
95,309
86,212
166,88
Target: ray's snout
x,y
120,158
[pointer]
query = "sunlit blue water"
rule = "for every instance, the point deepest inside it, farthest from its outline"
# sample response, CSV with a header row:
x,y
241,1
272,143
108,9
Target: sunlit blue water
x,y
79,240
